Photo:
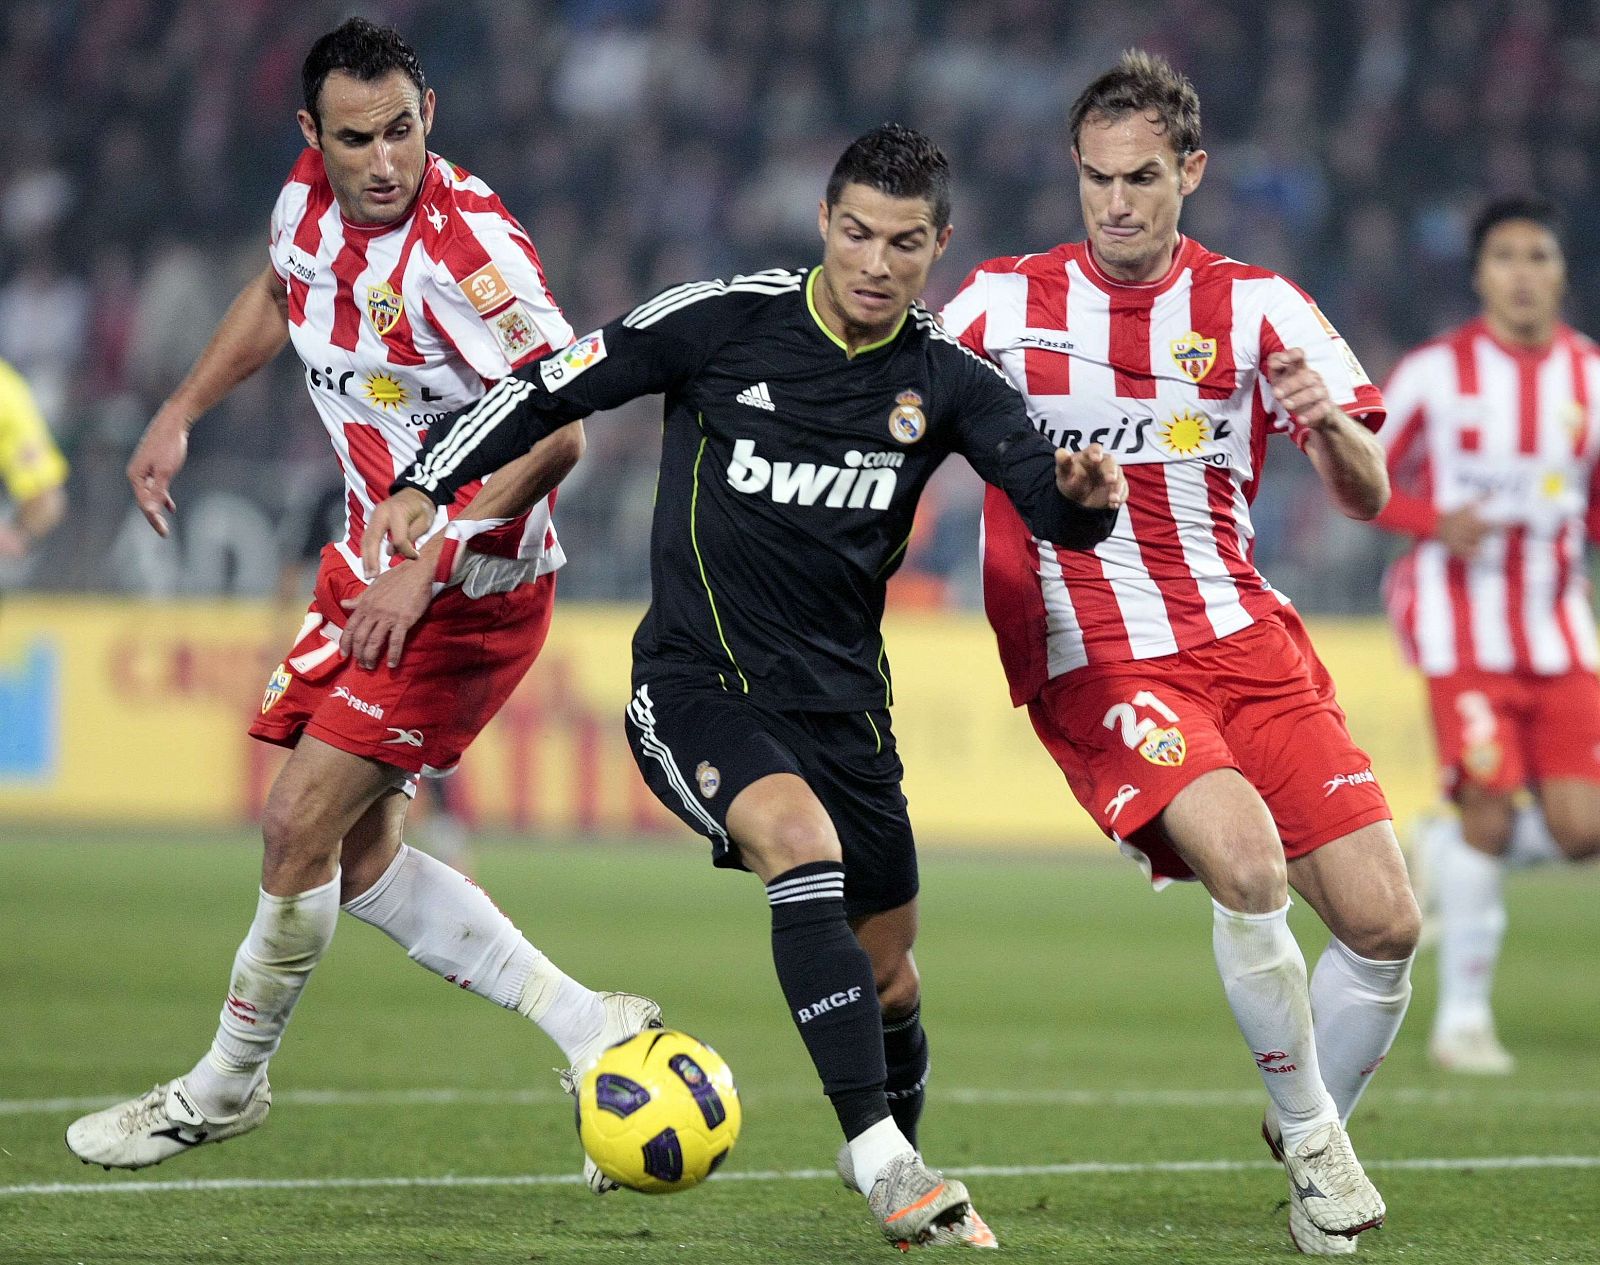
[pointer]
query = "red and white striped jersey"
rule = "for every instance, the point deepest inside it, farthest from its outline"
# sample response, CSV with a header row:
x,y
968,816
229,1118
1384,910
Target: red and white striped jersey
x,y
400,325
1514,432
1168,376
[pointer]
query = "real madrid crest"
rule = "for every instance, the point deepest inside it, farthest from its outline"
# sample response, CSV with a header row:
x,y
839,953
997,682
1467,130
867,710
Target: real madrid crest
x,y
710,780
1194,355
907,422
385,305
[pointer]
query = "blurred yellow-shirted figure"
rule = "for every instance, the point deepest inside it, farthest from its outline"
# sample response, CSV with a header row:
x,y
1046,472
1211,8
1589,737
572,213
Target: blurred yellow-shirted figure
x,y
31,466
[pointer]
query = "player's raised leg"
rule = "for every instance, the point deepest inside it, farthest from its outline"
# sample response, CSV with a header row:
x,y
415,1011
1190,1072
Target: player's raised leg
x,y
319,795
888,937
786,837
1362,983
1220,826
448,924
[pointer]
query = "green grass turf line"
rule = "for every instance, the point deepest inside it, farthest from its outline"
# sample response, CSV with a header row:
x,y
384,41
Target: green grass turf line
x,y
1041,976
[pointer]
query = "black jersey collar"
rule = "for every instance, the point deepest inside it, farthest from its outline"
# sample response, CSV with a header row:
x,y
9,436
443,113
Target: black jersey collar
x,y
811,306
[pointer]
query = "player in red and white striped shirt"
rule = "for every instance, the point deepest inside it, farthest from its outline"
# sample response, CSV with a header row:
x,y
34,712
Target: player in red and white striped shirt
x,y
1173,685
406,288
1494,445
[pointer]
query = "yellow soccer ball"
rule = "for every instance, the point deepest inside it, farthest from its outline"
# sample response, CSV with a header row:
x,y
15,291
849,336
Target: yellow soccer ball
x,y
658,1112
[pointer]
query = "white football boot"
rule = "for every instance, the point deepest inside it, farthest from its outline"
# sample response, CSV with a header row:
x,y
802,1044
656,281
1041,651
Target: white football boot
x,y
1329,1184
1303,1232
1473,1050
158,1125
967,1230
627,1014
917,1207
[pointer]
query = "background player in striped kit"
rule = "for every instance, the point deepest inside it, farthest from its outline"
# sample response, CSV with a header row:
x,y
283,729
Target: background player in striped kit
x,y
1175,688
1493,442
405,286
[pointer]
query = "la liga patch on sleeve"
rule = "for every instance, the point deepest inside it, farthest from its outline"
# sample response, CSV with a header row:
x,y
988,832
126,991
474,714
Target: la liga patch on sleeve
x,y
559,370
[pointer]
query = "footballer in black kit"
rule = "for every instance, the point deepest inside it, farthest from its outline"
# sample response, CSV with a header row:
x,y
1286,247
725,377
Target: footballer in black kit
x,y
790,473
805,412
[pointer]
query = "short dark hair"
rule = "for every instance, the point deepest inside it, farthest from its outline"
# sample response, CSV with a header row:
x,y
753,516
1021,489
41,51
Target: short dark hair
x,y
360,48
899,162
1148,84
1523,207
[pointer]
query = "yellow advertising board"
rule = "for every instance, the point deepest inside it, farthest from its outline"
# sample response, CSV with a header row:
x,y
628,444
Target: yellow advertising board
x,y
128,712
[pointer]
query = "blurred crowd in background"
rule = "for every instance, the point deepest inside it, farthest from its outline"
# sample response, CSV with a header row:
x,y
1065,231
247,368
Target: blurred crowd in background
x,y
648,142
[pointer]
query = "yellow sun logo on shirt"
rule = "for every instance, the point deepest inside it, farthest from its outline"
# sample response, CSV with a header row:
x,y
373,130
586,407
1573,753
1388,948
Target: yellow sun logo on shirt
x,y
1185,433
387,392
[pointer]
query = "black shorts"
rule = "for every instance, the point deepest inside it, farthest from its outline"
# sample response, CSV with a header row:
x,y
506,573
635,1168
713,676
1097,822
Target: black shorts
x,y
699,746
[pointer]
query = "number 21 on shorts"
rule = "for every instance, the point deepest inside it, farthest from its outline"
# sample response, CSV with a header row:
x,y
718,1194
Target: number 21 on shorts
x,y
1157,743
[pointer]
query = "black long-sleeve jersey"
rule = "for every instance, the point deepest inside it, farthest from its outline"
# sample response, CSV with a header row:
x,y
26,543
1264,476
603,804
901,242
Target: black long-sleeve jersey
x,y
790,471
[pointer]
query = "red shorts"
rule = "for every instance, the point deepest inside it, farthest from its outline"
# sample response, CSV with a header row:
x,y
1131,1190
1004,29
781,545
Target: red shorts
x,y
461,662
1501,731
1130,736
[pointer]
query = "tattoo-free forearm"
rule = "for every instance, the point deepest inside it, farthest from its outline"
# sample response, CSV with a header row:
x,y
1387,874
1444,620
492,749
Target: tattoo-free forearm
x,y
1350,461
530,478
252,332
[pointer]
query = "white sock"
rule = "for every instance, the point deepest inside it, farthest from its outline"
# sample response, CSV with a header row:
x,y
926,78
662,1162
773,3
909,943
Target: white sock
x,y
286,940
1472,922
872,1150
1264,977
1357,1004
1531,840
571,1015
447,923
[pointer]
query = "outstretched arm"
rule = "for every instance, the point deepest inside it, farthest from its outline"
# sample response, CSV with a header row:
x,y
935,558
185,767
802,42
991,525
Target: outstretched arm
x,y
382,618
252,332
1071,499
1346,455
652,349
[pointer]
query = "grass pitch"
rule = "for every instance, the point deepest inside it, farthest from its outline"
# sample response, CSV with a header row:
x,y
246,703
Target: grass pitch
x,y
1088,1082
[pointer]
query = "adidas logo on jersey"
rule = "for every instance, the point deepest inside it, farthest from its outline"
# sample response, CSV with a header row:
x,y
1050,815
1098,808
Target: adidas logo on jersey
x,y
756,397
866,480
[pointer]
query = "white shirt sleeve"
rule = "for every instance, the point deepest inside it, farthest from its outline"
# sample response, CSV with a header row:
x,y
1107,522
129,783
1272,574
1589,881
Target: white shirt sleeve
x,y
1293,321
500,316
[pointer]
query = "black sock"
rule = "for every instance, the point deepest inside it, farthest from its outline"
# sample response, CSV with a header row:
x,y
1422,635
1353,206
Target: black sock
x,y
827,978
905,1050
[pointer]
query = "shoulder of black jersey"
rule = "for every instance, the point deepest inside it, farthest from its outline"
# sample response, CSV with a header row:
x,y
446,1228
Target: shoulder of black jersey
x,y
739,294
928,326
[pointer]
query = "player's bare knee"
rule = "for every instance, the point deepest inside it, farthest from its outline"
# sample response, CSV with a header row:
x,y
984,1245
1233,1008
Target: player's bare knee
x,y
1578,840
899,986
1251,884
294,852
788,840
1486,823
1387,938
280,820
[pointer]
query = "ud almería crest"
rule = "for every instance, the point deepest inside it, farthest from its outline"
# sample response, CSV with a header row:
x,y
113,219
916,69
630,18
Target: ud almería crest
x,y
385,305
1194,355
